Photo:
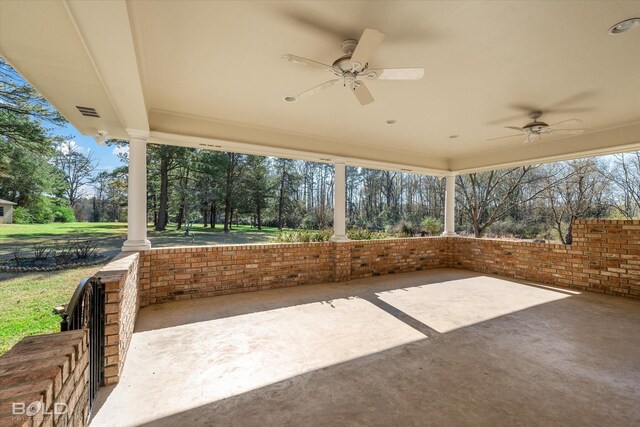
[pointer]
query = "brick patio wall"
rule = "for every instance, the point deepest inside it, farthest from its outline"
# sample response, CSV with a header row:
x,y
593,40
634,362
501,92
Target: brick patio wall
x,y
192,272
604,258
120,277
50,370
379,257
170,274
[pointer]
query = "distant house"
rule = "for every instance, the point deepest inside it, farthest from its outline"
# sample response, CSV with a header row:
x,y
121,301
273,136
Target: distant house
x,y
6,211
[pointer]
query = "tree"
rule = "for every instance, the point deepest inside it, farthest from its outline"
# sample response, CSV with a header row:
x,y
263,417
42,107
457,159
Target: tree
x,y
286,183
77,170
258,185
26,147
577,192
626,177
233,167
486,197
162,160
23,111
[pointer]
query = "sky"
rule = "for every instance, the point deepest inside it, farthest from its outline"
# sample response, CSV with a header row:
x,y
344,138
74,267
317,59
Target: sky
x,y
106,155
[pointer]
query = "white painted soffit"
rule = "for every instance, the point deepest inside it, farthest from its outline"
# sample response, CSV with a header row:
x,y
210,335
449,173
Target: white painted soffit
x,y
106,32
42,42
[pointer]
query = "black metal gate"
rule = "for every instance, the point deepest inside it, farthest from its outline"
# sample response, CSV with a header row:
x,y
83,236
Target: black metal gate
x,y
86,310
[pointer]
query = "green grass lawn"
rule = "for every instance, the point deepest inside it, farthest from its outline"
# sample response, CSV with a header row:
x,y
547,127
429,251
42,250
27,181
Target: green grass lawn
x,y
27,301
240,234
110,236
60,230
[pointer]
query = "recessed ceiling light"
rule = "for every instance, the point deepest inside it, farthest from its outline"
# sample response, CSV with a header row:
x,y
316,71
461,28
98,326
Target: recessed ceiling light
x,y
624,26
290,98
453,136
391,122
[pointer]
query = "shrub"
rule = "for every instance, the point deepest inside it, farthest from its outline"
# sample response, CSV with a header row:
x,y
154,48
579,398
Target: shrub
x,y
63,253
84,249
64,214
431,226
41,211
364,234
41,251
22,216
402,228
303,236
514,229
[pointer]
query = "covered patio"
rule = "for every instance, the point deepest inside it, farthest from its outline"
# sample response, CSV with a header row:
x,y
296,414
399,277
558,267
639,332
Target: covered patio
x,y
443,347
419,331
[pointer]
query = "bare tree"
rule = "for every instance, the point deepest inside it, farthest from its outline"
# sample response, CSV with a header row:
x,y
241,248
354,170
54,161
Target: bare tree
x,y
577,193
626,177
77,170
487,197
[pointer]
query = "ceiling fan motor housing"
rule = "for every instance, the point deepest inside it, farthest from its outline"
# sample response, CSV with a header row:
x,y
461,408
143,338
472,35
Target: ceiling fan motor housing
x,y
349,46
535,126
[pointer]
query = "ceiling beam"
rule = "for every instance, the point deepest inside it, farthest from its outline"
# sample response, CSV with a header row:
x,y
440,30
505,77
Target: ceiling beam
x,y
106,32
189,130
262,150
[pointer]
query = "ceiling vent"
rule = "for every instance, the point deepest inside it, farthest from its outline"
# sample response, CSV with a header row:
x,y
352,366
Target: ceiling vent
x,y
87,111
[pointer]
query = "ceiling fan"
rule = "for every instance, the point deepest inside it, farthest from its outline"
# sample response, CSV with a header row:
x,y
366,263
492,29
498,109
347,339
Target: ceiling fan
x,y
353,66
534,130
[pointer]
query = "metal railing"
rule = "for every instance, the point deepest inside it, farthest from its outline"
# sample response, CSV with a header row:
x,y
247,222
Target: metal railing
x,y
86,310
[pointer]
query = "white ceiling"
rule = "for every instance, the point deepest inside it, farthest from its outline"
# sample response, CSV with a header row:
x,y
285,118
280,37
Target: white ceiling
x,y
213,70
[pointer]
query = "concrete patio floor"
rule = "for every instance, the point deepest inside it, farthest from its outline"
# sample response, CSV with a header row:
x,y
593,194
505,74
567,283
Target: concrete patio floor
x,y
439,347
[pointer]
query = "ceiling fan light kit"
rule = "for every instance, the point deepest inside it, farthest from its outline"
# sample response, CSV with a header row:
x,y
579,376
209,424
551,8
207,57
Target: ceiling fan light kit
x,y
352,67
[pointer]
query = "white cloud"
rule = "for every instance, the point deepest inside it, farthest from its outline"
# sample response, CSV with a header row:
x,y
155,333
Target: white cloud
x,y
120,149
69,146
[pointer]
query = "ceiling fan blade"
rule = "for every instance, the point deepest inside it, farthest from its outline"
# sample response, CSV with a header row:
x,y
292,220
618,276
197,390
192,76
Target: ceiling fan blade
x,y
304,61
503,137
514,128
394,74
317,89
567,131
369,42
566,123
362,93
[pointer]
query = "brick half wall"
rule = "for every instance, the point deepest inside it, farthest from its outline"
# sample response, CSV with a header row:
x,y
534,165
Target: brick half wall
x,y
51,370
193,272
120,278
170,274
390,256
605,258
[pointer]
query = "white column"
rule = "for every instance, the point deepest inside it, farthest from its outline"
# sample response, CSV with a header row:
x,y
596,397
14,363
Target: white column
x,y
137,196
450,206
339,204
